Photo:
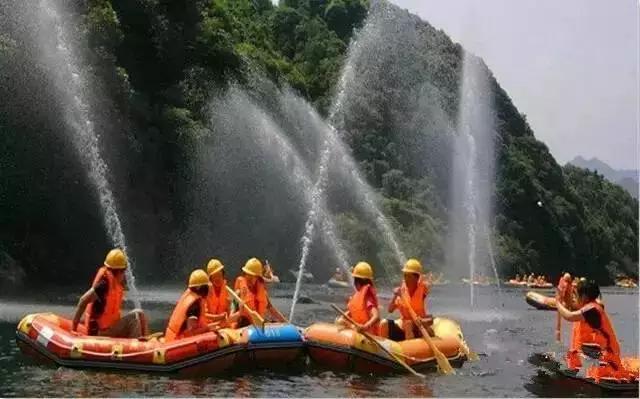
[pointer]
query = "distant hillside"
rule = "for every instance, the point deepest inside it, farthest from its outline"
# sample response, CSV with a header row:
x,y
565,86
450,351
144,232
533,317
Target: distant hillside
x,y
157,69
626,178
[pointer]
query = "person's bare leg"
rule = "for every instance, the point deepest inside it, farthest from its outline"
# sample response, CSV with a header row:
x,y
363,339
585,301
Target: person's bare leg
x,y
141,321
120,329
407,327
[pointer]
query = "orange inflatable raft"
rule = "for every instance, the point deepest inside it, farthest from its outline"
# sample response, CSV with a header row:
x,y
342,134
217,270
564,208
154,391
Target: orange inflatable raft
x,y
626,382
538,285
47,337
342,348
540,302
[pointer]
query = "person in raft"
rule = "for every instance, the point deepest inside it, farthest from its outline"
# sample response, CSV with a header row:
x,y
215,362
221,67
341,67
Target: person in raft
x,y
595,330
363,305
413,292
102,303
189,316
218,301
251,288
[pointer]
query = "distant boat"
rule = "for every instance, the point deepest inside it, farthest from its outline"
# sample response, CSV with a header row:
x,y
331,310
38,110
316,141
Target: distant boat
x,y
306,276
627,283
476,282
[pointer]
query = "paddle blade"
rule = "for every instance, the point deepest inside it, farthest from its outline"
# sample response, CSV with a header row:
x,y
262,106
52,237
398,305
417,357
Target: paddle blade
x,y
443,364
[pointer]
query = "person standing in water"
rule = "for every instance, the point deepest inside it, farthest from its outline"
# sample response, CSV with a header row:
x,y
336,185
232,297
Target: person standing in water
x,y
102,303
363,305
189,315
251,288
594,330
413,292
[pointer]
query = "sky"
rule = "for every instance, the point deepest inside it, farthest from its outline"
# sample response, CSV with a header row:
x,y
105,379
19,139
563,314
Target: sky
x,y
571,66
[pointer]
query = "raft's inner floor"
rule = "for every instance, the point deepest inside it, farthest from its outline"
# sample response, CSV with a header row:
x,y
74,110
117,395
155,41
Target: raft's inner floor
x,y
504,327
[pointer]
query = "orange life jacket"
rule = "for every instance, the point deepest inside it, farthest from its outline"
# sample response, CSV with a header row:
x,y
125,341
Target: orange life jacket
x,y
218,302
604,336
357,307
257,298
179,315
113,301
416,301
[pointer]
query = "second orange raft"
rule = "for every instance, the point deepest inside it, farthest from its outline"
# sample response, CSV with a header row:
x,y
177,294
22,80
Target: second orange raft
x,y
340,348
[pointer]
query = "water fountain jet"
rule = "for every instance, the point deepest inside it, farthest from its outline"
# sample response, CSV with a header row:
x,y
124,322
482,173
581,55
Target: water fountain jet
x,y
73,89
472,179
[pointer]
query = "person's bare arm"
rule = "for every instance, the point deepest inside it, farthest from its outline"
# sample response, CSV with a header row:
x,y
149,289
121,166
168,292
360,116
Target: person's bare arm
x,y
217,316
83,302
375,317
392,305
567,314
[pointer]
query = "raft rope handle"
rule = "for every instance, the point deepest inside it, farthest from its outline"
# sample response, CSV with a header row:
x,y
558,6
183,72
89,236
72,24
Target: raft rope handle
x,y
122,355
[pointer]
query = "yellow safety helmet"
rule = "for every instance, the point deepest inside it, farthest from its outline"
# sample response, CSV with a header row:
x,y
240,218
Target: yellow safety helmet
x,y
214,266
362,270
253,267
412,266
198,278
116,259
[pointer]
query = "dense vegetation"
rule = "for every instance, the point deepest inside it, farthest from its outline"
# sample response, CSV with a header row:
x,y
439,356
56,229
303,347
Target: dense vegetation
x,y
155,65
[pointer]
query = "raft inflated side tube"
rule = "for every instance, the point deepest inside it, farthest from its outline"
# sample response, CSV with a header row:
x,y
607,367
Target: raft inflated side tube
x,y
540,302
48,335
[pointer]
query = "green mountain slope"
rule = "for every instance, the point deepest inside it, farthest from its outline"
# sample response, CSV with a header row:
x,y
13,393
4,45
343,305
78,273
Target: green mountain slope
x,y
158,63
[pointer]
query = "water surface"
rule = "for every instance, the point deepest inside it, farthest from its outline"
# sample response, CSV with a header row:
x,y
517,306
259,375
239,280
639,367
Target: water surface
x,y
502,327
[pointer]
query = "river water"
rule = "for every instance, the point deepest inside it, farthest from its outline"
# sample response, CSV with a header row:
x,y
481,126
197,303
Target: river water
x,y
502,328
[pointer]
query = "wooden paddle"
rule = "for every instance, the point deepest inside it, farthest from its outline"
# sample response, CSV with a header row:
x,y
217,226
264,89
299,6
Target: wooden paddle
x,y
379,344
255,315
216,317
274,309
443,363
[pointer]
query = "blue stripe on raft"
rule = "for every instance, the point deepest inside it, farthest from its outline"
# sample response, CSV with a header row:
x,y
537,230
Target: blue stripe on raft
x,y
274,333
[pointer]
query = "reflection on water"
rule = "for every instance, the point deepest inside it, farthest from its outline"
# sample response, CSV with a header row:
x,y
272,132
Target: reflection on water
x,y
502,328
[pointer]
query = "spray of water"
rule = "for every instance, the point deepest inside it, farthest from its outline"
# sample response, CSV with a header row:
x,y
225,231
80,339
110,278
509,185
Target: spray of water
x,y
312,217
235,106
473,172
73,91
472,215
333,145
492,259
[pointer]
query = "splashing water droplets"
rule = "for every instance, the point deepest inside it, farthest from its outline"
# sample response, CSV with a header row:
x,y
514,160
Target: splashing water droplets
x,y
71,85
472,178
